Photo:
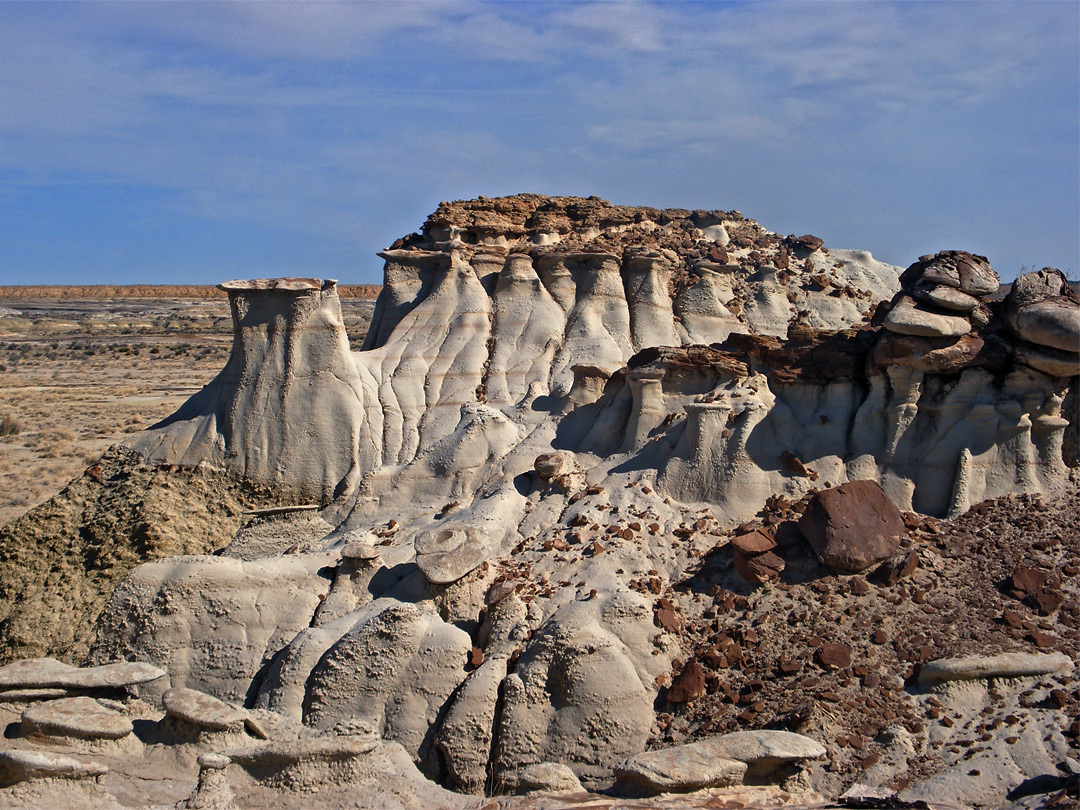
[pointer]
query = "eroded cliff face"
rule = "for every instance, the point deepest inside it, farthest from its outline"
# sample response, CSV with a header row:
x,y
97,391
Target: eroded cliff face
x,y
561,407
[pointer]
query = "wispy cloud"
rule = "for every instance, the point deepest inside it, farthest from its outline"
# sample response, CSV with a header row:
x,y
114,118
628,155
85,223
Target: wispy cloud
x,y
342,121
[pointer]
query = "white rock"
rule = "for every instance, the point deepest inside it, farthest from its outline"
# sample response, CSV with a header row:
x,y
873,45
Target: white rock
x,y
202,710
1006,665
681,769
907,318
17,765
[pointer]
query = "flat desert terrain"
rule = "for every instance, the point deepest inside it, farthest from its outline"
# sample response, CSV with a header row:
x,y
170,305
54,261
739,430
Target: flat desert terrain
x,y
83,367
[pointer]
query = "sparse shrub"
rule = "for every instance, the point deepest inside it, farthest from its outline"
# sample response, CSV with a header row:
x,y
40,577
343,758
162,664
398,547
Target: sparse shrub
x,y
10,426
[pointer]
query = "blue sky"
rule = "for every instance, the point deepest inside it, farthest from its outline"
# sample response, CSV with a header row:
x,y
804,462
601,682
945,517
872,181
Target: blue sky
x,y
193,142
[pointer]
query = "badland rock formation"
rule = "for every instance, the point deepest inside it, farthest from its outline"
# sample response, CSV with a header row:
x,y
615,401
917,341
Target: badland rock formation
x,y
604,480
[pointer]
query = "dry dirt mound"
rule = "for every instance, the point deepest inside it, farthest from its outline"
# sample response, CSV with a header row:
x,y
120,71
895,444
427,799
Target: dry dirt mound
x,y
61,560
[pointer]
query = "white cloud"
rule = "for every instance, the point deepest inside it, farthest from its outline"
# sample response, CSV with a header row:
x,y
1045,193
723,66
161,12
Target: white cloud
x,y
308,115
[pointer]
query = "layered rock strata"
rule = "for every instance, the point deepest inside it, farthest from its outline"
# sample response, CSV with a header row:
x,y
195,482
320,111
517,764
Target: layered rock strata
x,y
562,410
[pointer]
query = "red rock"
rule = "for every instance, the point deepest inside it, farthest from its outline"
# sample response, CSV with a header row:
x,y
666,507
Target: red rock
x,y
1048,601
852,526
833,656
1029,580
1042,640
476,656
755,542
688,685
758,568
668,620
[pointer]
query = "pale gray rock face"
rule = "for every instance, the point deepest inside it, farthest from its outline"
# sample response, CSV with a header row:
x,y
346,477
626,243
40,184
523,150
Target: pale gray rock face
x,y
681,769
290,352
395,670
579,690
908,318
21,766
444,607
463,742
1006,665
80,717
228,617
41,673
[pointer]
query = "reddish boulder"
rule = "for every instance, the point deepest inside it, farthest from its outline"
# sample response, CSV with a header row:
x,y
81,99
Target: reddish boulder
x,y
852,526
688,685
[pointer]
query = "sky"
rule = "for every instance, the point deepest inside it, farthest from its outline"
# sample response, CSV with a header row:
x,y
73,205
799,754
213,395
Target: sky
x,y
193,142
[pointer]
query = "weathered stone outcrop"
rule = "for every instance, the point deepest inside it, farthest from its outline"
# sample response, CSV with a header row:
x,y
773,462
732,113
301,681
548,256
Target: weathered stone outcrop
x,y
289,406
562,410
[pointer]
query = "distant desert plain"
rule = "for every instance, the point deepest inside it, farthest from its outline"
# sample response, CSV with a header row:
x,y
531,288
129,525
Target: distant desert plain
x,y
83,366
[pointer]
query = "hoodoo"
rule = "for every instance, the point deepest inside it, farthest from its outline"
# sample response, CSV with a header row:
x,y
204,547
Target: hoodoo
x,y
563,413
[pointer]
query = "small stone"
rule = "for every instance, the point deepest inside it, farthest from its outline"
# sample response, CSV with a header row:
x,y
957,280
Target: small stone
x,y
755,542
1029,580
688,685
549,465
476,657
668,620
834,656
1043,640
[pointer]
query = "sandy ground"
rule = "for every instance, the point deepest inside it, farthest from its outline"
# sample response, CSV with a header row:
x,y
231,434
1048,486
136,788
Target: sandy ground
x,y
76,376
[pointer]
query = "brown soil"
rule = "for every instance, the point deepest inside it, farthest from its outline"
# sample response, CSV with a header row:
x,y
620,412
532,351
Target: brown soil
x,y
62,559
956,602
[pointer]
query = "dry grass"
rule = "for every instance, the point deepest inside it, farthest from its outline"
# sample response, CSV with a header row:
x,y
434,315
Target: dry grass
x,y
79,376
71,405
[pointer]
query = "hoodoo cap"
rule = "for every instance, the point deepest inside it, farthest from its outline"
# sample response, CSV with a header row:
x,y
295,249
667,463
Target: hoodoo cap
x,y
288,284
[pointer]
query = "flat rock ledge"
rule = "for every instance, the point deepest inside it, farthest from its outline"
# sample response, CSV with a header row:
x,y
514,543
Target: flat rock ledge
x,y
48,673
1006,665
23,766
202,710
765,752
722,761
682,769
329,748
80,717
